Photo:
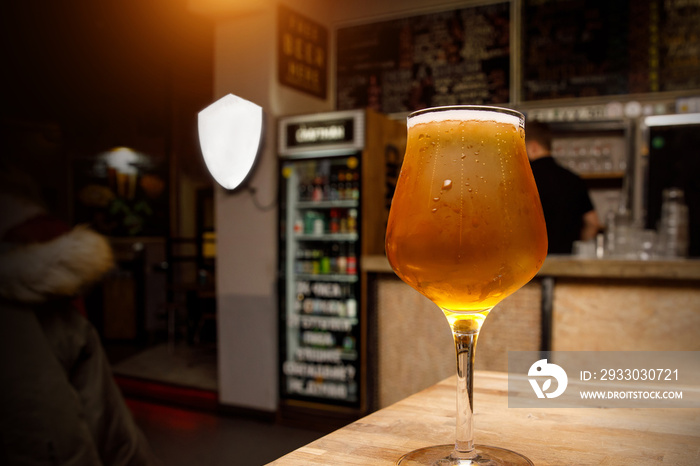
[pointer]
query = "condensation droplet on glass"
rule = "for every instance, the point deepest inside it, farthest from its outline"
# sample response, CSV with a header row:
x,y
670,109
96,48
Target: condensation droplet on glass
x,y
436,199
434,210
447,184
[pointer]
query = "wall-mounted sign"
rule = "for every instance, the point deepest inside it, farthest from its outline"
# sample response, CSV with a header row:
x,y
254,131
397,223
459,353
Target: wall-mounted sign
x,y
322,132
302,52
330,133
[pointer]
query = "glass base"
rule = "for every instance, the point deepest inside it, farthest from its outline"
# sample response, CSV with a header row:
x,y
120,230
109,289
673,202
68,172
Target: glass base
x,y
441,455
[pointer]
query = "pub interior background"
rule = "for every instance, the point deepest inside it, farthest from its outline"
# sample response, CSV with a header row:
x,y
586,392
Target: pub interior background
x,y
101,100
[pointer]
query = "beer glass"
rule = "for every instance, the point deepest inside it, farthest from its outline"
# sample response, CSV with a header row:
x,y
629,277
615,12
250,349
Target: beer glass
x,y
466,230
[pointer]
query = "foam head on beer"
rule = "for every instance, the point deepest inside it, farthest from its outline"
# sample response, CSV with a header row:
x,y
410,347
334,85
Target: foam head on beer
x,y
465,114
230,133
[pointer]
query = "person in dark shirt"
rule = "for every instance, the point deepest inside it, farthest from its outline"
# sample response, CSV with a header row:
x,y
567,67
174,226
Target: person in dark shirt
x,y
567,206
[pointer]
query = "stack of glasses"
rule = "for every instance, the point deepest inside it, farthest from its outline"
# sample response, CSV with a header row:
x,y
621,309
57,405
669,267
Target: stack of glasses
x,y
672,239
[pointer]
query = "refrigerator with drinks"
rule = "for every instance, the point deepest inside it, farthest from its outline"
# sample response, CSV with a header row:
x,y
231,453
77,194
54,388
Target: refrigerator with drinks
x,y
336,171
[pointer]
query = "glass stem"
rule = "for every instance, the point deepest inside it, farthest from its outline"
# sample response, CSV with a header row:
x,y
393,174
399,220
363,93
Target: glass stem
x,y
465,344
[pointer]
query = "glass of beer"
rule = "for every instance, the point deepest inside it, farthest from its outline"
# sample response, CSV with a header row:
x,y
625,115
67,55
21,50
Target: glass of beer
x,y
466,230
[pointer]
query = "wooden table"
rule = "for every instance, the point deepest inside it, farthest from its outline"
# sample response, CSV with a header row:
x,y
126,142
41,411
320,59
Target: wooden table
x,y
553,436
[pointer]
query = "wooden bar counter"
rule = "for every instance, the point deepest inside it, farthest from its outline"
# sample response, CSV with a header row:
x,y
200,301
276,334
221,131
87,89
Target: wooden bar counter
x,y
554,436
571,305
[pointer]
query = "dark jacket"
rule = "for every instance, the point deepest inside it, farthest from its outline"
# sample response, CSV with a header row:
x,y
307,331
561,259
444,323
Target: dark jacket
x,y
59,404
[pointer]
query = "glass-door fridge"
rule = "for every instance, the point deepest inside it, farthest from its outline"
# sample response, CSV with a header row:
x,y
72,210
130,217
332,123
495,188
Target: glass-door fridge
x,y
333,190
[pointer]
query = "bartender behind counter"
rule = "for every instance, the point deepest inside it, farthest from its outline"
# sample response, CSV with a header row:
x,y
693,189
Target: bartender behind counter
x,y
567,206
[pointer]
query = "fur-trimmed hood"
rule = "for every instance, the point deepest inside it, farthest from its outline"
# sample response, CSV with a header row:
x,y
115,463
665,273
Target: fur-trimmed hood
x,y
62,266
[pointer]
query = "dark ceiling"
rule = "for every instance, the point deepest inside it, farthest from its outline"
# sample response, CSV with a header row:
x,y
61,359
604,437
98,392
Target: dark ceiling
x,y
106,72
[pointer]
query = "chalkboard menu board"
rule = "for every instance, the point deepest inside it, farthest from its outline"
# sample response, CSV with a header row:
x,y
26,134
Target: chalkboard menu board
x,y
454,57
679,45
581,48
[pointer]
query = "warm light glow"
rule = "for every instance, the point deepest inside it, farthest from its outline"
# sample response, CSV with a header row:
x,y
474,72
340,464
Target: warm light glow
x,y
123,160
230,132
123,165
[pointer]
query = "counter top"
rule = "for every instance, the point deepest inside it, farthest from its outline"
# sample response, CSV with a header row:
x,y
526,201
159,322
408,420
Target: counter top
x,y
569,266
548,436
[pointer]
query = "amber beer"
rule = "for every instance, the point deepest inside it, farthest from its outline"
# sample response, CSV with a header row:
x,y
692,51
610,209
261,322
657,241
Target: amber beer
x,y
466,227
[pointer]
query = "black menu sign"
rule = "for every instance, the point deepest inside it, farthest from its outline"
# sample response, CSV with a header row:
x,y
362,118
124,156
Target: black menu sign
x,y
453,57
302,52
310,134
582,48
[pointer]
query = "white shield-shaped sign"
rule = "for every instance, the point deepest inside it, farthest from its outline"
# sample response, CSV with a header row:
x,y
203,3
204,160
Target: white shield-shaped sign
x,y
230,133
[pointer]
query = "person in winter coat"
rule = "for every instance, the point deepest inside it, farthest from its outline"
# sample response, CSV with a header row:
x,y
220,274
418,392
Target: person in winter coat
x,y
59,404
